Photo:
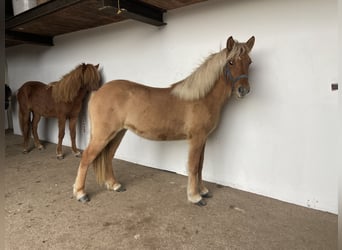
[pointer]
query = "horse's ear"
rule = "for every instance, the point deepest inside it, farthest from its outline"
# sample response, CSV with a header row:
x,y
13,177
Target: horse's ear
x,y
230,43
250,42
97,66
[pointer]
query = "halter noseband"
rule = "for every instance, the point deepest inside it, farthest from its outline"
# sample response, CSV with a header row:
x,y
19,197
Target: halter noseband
x,y
230,77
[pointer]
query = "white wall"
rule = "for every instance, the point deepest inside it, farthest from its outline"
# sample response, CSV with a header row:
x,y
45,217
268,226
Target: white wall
x,y
279,142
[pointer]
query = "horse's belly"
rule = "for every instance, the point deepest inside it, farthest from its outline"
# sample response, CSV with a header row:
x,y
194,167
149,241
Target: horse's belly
x,y
158,133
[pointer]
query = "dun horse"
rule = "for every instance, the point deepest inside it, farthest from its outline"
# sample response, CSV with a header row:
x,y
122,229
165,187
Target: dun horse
x,y
188,110
62,99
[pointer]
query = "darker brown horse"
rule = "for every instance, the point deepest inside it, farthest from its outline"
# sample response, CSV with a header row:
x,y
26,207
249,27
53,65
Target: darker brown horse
x,y
62,99
188,110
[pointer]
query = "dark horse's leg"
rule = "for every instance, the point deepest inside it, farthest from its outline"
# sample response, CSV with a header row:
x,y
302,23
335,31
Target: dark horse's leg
x,y
35,121
72,129
61,132
111,182
195,154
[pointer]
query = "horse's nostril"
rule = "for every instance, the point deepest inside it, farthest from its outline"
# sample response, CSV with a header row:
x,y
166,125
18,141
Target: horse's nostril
x,y
243,91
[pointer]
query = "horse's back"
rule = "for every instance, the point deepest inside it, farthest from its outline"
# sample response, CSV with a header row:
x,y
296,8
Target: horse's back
x,y
34,93
118,92
153,113
30,87
32,84
122,94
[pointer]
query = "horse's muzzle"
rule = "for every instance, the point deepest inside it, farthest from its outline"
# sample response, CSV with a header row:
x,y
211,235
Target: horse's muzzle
x,y
242,91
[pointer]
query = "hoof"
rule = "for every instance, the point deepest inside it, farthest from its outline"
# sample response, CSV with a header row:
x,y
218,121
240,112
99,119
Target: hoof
x,y
78,154
201,203
25,151
60,157
207,195
40,147
116,187
120,189
84,199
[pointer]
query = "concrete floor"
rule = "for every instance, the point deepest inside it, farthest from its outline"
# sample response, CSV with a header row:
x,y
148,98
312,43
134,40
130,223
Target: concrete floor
x,y
40,212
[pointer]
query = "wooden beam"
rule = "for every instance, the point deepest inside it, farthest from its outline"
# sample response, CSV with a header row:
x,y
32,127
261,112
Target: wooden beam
x,y
134,9
38,11
28,38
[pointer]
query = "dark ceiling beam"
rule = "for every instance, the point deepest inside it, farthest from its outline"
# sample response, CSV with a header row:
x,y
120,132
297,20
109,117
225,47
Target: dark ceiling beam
x,y
134,9
38,11
28,38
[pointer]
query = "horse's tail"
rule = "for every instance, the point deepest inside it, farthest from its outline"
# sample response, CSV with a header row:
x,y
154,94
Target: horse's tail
x,y
102,163
101,166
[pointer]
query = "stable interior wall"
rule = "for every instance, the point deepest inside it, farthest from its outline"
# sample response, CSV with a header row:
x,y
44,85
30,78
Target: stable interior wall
x,y
280,141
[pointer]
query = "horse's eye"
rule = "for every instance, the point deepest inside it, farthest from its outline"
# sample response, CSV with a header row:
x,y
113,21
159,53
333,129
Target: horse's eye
x,y
231,62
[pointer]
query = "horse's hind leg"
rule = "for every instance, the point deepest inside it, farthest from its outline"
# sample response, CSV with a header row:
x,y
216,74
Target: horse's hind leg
x,y
88,156
72,129
35,121
195,153
111,182
61,133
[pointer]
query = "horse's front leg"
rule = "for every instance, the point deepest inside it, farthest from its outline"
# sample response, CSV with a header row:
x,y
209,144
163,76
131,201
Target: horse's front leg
x,y
195,153
35,121
204,192
72,129
61,132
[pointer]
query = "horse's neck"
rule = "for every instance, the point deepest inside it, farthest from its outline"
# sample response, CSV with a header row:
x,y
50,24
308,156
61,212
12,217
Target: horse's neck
x,y
221,91
81,94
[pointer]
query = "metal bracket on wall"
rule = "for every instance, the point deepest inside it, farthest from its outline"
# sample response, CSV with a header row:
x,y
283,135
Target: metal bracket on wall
x,y
334,86
135,10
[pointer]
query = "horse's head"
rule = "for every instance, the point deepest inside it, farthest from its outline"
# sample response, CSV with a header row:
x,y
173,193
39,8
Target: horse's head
x,y
236,68
91,76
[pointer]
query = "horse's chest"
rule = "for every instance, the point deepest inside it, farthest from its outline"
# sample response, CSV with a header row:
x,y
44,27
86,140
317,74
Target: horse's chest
x,y
203,116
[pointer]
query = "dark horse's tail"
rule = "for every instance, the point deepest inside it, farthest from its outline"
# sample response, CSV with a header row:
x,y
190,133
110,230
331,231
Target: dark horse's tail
x,y
24,110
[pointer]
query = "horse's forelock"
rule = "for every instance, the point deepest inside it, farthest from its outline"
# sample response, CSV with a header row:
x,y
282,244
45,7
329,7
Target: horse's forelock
x,y
91,77
238,50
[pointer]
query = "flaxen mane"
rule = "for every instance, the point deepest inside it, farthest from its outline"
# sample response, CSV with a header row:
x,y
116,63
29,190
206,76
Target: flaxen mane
x,y
83,76
201,81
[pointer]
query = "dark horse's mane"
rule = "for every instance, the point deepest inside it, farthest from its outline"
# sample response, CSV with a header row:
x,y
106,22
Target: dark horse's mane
x,y
83,76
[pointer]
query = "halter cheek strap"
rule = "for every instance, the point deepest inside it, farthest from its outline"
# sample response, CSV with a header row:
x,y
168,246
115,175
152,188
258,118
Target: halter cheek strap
x,y
229,76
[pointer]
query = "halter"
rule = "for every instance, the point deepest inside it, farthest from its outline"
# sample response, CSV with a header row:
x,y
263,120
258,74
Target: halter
x,y
230,77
